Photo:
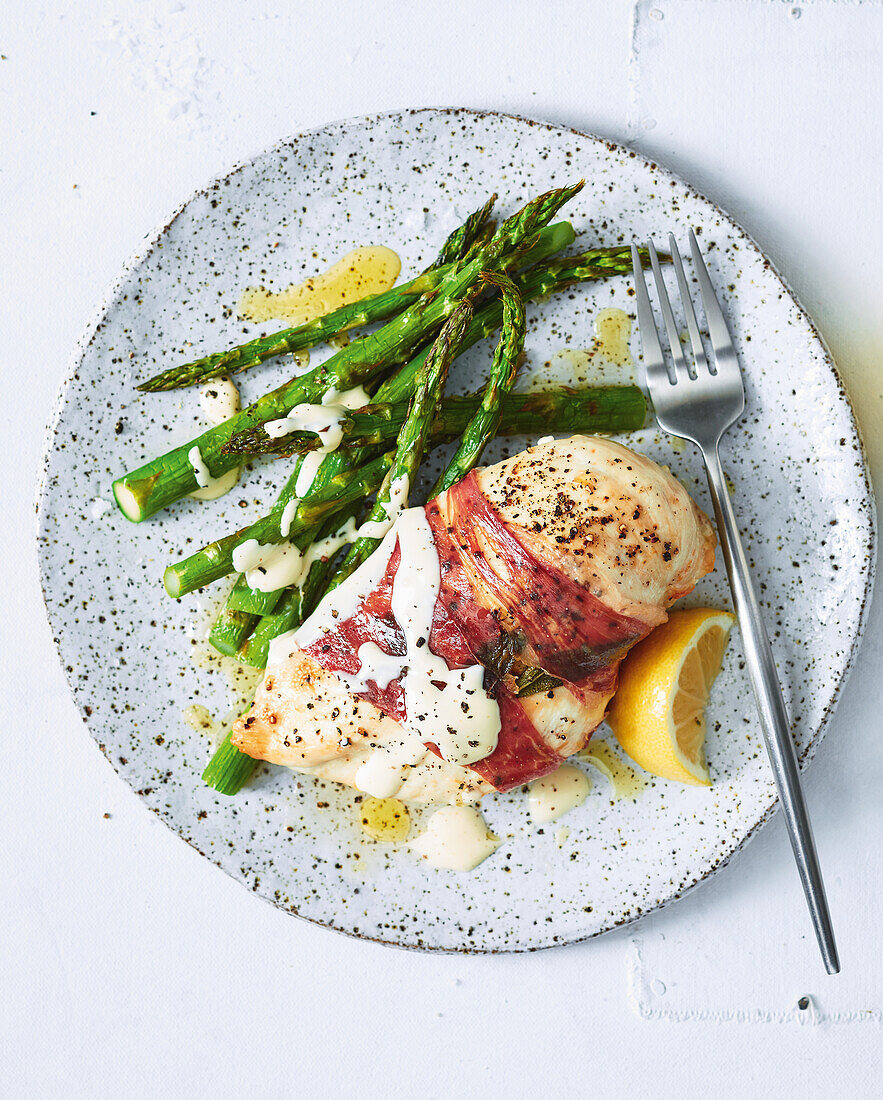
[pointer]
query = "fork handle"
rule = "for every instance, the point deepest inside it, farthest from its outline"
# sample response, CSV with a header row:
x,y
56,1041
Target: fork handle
x,y
771,705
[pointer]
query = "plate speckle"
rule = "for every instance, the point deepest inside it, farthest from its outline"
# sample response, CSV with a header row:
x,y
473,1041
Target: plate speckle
x,y
404,180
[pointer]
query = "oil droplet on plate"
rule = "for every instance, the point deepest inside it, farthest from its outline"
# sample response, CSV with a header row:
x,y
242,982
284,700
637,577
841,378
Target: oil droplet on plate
x,y
557,793
369,270
613,327
624,780
384,819
199,718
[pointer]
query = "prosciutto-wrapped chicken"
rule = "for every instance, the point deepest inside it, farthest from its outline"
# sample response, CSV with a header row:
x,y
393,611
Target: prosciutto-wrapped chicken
x,y
480,644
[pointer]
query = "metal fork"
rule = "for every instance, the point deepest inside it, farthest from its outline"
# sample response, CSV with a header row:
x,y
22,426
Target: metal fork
x,y
700,403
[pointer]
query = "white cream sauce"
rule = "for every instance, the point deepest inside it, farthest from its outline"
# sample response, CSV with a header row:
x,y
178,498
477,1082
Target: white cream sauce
x,y
449,708
277,565
321,419
456,839
309,467
398,496
382,775
553,795
333,408
377,665
287,517
203,473
341,603
355,398
460,717
219,400
210,488
324,420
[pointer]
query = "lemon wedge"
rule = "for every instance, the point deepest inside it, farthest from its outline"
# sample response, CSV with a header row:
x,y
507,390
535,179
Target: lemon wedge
x,y
658,712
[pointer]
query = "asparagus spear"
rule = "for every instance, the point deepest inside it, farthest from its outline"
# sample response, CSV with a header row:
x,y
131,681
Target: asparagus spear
x,y
464,236
413,437
215,560
593,409
485,422
286,615
231,628
251,600
165,479
376,307
229,769
597,409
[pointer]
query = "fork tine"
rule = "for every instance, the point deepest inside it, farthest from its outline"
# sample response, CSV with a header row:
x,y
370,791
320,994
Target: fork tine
x,y
721,343
654,359
689,311
674,340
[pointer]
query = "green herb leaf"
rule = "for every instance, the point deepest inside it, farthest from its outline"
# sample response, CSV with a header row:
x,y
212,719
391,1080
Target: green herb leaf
x,y
533,681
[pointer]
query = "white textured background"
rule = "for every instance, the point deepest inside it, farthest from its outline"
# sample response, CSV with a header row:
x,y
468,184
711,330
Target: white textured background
x,y
131,967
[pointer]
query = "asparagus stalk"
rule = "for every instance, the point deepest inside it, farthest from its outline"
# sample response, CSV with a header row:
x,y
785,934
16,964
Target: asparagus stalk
x,y
231,628
367,311
286,615
412,439
485,422
466,235
416,431
595,409
229,769
215,560
254,602
165,479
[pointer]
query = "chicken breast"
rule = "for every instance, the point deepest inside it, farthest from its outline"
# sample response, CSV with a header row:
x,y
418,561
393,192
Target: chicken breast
x,y
549,567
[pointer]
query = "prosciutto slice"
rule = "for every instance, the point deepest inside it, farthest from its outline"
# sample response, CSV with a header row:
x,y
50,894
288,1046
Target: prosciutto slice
x,y
552,565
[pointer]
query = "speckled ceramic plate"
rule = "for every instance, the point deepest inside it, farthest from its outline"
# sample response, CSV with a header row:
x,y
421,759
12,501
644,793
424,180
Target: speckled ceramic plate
x,y
404,180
